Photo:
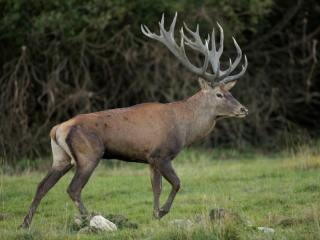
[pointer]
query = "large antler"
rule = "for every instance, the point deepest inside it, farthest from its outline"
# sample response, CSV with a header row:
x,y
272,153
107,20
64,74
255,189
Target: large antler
x,y
213,56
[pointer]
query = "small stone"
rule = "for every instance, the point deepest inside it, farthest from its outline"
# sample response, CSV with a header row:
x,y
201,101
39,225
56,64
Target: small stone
x,y
77,220
89,230
102,224
84,230
266,230
182,223
219,213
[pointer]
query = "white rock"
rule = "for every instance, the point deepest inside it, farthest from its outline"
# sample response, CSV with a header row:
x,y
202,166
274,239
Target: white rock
x,y
266,230
102,224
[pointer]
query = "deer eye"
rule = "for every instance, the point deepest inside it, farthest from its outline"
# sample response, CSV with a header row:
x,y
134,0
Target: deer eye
x,y
219,95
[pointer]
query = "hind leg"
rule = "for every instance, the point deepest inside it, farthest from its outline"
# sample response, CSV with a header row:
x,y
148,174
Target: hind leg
x,y
86,149
78,182
61,165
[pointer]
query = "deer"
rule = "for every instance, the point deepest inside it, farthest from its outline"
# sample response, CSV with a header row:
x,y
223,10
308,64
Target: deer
x,y
149,133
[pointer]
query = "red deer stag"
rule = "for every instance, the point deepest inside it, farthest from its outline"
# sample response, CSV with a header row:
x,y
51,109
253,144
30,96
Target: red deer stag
x,y
150,133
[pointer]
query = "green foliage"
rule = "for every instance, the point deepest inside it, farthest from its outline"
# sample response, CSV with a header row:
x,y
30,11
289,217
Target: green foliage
x,y
25,164
36,164
24,21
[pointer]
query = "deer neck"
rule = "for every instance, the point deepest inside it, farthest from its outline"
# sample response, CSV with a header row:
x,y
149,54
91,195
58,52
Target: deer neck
x,y
196,117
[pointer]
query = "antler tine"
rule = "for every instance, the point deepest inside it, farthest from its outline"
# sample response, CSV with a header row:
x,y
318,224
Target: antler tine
x,y
213,41
173,24
214,59
220,50
149,34
235,64
162,20
235,77
225,73
239,55
197,45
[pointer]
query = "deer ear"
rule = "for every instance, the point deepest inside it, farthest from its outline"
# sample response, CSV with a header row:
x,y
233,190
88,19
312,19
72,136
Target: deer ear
x,y
203,83
229,85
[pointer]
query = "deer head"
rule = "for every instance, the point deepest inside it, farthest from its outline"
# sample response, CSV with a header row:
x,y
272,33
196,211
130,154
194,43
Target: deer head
x,y
215,86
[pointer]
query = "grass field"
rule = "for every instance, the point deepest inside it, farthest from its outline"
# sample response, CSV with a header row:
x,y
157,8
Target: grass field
x,y
280,191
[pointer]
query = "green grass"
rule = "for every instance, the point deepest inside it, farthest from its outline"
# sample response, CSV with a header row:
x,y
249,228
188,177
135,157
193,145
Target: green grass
x,y
279,191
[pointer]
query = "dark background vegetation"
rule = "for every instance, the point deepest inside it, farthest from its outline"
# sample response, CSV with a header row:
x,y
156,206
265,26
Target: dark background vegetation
x,y
62,58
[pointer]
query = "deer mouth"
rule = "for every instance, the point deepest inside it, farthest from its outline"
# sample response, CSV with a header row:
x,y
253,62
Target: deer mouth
x,y
242,115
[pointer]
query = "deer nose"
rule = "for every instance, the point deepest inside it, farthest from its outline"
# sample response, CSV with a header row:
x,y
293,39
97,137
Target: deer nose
x,y
244,110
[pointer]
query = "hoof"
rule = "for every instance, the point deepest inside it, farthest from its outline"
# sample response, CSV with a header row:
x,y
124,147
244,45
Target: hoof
x,y
24,226
162,213
156,214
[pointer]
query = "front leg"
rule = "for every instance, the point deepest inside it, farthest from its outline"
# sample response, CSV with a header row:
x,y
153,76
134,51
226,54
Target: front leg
x,y
165,168
156,182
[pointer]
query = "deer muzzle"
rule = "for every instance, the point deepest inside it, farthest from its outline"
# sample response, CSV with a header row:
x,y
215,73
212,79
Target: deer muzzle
x,y
244,111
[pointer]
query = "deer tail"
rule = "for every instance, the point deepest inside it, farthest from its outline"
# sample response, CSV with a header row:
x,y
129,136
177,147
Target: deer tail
x,y
53,133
